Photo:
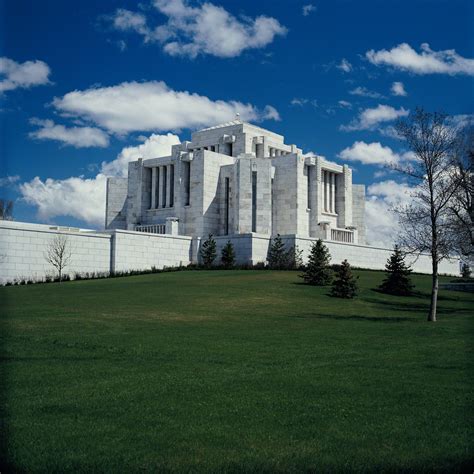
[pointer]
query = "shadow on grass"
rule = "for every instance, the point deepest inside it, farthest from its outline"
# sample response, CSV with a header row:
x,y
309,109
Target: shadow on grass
x,y
383,319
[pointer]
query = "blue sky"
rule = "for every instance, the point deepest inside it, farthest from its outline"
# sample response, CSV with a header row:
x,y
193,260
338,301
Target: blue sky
x,y
87,86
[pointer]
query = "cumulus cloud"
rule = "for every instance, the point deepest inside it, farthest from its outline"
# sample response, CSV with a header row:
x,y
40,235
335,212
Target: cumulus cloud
x,y
15,75
382,224
369,119
203,29
345,65
372,154
153,106
307,9
84,198
398,89
153,146
404,57
364,92
78,137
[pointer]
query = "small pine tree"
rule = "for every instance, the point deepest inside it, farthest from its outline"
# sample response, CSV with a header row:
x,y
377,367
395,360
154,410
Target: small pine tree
x,y
345,284
208,251
294,259
228,255
466,271
397,281
277,255
317,270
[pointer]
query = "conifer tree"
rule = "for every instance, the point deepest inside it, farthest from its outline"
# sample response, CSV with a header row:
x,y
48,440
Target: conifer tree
x,y
317,270
208,251
397,281
228,255
345,284
466,271
277,256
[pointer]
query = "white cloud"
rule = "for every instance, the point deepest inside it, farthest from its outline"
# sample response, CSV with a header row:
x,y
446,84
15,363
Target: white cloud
x,y
369,119
84,198
404,57
345,65
382,224
300,101
15,75
204,29
78,137
153,106
7,181
155,145
77,197
398,89
307,9
345,104
364,92
372,154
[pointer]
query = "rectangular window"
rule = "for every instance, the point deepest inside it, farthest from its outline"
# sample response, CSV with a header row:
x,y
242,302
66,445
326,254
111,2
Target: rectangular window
x,y
171,185
231,149
325,190
187,182
254,201
227,203
165,179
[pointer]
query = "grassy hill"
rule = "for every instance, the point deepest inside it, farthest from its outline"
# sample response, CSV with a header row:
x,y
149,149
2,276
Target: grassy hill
x,y
234,371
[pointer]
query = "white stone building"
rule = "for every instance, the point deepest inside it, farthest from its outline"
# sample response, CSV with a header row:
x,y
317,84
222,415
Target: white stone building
x,y
235,179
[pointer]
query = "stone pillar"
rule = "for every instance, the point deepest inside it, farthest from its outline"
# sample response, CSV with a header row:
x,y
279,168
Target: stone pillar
x,y
168,185
160,186
333,192
171,226
326,206
153,188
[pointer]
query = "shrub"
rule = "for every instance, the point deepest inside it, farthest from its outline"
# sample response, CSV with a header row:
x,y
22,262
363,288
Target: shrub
x,y
317,271
208,251
397,281
228,255
345,284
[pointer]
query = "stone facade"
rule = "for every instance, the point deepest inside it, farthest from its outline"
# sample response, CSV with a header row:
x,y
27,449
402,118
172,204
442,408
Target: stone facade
x,y
234,179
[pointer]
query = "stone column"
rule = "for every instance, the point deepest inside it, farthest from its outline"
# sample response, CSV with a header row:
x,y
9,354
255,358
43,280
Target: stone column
x,y
168,185
326,205
333,192
153,188
160,187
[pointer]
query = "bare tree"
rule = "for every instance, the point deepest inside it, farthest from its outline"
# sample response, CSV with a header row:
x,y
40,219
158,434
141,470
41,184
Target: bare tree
x,y
58,254
462,204
6,210
425,222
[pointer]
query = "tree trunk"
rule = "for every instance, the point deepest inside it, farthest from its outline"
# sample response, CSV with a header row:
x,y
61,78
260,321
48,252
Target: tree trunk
x,y
434,292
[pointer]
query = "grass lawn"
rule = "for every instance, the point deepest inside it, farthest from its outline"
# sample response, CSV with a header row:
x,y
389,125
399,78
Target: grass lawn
x,y
234,371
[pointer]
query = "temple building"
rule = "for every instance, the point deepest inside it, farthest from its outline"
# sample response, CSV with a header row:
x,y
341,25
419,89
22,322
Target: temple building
x,y
238,178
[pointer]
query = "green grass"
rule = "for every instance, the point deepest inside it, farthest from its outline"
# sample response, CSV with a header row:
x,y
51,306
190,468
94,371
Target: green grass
x,y
234,371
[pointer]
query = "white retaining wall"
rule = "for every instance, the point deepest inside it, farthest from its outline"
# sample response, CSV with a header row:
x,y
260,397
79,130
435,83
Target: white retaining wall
x,y
23,246
138,250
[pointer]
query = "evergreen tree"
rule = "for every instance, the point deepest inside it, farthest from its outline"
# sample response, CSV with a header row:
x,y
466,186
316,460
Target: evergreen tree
x,y
466,271
208,251
277,255
295,258
345,284
317,270
397,281
228,255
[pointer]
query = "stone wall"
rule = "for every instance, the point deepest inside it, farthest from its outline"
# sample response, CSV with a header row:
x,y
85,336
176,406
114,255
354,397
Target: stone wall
x,y
22,249
116,201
